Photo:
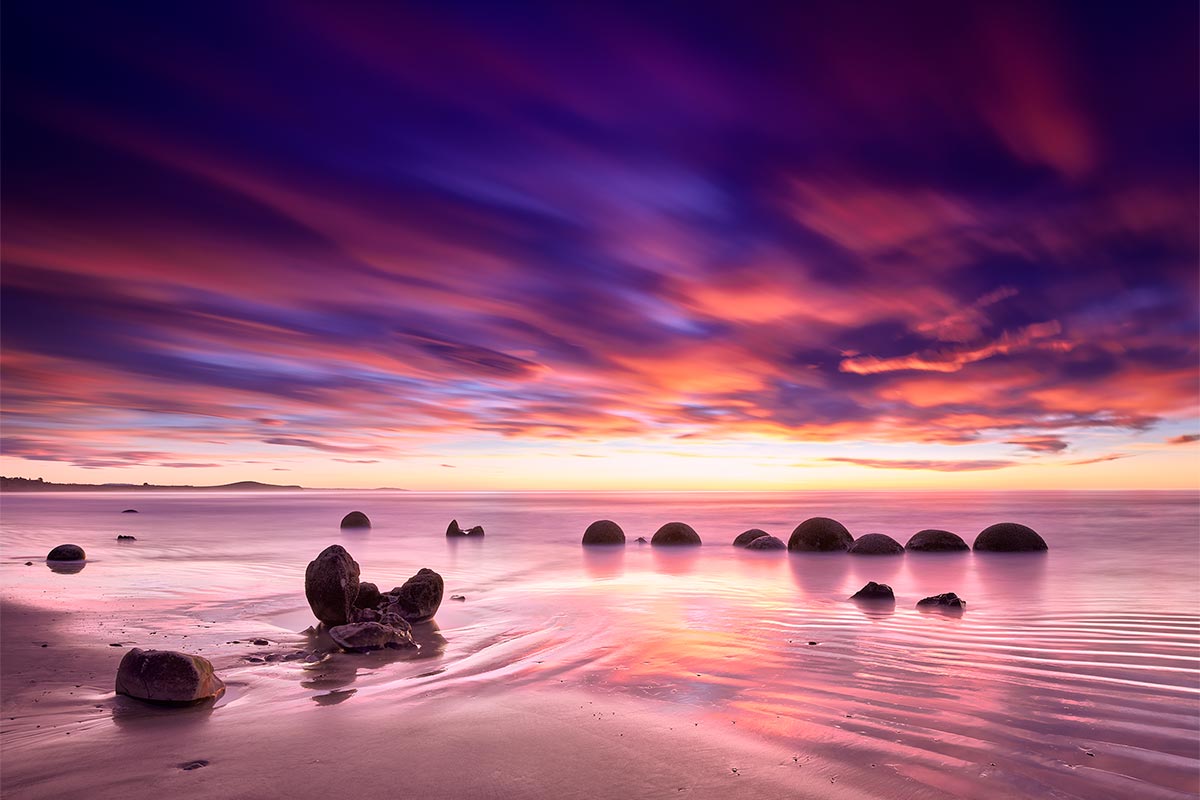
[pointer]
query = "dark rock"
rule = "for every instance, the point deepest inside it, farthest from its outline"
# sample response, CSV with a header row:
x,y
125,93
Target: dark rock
x,y
356,519
130,511
331,585
360,637
675,534
420,595
746,537
820,534
364,615
368,595
29,563
261,642
167,676
876,544
190,765
874,591
125,538
932,540
766,543
641,540
604,531
66,552
1009,537
457,597
947,600
454,530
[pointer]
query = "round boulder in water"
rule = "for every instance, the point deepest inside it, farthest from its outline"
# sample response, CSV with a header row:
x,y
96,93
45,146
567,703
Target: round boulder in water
x,y
1009,537
767,542
331,585
932,540
820,534
356,519
604,531
876,544
675,534
66,552
746,537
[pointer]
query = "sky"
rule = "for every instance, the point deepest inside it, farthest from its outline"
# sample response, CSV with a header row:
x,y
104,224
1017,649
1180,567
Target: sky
x,y
459,246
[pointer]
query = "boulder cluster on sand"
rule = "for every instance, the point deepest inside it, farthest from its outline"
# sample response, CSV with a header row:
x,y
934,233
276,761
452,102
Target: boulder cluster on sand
x,y
167,676
358,616
66,552
356,519
453,529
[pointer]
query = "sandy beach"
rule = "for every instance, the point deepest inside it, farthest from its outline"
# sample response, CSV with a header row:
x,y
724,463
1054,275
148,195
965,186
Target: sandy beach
x,y
567,672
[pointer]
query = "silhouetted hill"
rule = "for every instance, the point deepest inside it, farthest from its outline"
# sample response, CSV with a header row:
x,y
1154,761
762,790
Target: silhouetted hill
x,y
38,485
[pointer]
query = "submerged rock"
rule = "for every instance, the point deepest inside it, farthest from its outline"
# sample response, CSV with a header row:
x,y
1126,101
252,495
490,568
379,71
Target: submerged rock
x,y
604,531
874,591
766,543
641,540
947,600
676,534
126,538
1009,537
167,676
420,596
876,544
820,534
360,637
746,537
66,552
368,596
454,530
932,540
356,519
331,585
130,511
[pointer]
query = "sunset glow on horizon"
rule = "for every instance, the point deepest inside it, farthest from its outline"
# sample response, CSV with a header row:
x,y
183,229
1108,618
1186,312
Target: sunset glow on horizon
x,y
440,248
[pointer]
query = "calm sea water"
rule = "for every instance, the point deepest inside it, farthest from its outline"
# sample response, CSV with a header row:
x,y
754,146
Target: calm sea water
x,y
1074,673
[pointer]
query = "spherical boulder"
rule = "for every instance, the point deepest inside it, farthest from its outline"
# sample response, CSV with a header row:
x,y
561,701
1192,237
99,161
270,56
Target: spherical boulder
x,y
876,544
356,519
420,596
66,552
604,531
820,534
359,637
167,676
675,534
932,540
874,591
767,542
1009,537
331,585
746,537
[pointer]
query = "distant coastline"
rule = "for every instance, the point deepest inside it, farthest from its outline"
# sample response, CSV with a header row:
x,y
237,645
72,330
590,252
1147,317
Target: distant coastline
x,y
38,485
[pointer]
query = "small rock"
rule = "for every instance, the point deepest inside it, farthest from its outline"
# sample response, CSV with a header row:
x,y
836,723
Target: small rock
x,y
360,637
454,530
364,615
130,511
356,519
458,597
115,644
947,600
368,595
190,765
260,642
66,552
874,591
29,563
254,659
811,643
641,540
746,537
167,676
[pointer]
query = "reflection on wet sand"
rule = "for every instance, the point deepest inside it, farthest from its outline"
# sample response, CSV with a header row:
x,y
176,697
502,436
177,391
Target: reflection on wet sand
x,y
66,567
604,561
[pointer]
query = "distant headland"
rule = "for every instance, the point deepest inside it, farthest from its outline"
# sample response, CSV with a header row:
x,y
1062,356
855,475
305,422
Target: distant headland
x,y
39,485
